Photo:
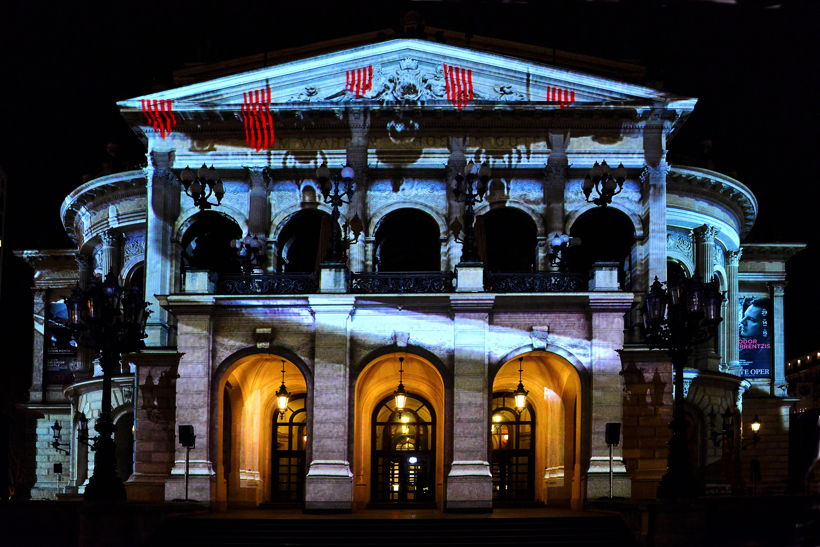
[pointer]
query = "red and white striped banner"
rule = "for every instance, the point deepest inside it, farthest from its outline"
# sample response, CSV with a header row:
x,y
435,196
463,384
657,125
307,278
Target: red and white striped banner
x,y
359,81
458,83
257,119
160,114
564,97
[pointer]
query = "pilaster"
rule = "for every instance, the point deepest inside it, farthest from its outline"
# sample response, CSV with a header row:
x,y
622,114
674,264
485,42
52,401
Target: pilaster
x,y
193,389
779,386
163,210
656,241
455,209
38,345
359,123
469,482
607,318
329,481
555,183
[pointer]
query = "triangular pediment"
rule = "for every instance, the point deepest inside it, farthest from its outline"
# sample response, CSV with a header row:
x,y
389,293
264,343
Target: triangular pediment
x,y
410,71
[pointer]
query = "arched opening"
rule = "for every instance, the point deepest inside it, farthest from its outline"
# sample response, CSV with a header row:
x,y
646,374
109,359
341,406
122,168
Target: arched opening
x,y
605,234
263,451
403,452
398,457
407,240
124,440
512,450
539,461
676,271
507,240
136,280
206,244
303,242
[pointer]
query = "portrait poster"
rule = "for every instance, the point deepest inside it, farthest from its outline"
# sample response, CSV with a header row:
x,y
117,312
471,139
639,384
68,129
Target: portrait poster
x,y
755,341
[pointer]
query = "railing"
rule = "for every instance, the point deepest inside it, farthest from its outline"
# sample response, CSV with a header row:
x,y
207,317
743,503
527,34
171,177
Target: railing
x,y
278,283
535,282
402,282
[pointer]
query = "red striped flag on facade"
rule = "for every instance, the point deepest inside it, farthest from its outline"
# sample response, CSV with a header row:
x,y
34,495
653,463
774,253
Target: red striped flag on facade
x,y
359,81
160,115
257,119
564,97
458,84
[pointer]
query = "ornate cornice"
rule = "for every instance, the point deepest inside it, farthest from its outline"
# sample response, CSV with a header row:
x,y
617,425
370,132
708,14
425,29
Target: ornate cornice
x,y
125,184
720,186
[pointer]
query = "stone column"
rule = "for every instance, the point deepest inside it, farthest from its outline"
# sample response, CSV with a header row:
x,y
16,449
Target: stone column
x,y
779,386
554,187
38,346
359,122
607,315
110,256
455,209
258,210
193,397
732,318
163,210
704,239
329,482
469,482
83,270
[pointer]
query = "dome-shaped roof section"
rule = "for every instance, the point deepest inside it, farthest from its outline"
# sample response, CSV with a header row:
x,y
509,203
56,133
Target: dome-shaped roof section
x,y
718,188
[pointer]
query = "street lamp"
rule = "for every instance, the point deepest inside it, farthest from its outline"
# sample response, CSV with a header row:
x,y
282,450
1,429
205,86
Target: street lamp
x,y
201,184
57,443
606,182
558,243
282,396
335,188
110,321
677,319
469,189
251,252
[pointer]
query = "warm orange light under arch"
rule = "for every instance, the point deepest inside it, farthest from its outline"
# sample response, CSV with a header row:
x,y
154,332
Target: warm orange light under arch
x,y
378,380
555,395
252,383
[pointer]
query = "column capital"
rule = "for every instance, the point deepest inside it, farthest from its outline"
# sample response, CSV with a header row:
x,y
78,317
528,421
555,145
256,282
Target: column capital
x,y
359,122
111,237
705,233
733,257
778,289
651,173
258,176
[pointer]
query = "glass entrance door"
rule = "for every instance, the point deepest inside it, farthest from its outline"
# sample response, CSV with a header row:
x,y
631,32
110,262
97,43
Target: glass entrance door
x,y
288,452
512,454
403,453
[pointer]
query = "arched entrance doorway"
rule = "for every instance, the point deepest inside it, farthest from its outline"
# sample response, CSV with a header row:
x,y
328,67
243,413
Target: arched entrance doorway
x,y
535,453
403,441
512,450
398,456
263,451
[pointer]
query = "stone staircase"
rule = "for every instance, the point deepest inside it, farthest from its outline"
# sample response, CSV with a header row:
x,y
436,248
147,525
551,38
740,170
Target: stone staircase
x,y
587,530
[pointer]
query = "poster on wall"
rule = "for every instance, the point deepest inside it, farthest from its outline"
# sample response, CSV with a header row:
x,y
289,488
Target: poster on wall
x,y
756,336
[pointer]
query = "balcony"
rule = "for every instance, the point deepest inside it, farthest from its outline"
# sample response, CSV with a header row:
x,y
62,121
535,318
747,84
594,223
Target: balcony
x,y
535,282
277,283
402,282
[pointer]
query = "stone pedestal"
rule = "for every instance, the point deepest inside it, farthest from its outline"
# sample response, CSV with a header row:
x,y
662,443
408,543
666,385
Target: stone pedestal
x,y
329,486
604,277
198,282
470,278
332,278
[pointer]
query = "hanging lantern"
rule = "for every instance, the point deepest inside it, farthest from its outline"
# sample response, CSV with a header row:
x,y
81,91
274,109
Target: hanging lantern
x,y
282,396
400,394
520,394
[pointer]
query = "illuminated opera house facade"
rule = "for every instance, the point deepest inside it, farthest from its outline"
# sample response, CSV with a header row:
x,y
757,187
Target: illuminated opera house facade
x,y
544,291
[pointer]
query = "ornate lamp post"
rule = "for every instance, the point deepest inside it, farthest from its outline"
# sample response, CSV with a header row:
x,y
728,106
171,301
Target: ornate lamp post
x,y
677,319
469,189
335,190
201,184
251,252
606,182
110,321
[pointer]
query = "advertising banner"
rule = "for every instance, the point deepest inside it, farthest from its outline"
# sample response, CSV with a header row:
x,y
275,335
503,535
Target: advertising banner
x,y
756,336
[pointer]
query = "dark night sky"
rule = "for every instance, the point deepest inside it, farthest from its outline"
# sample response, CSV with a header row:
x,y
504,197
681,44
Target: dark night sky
x,y
64,66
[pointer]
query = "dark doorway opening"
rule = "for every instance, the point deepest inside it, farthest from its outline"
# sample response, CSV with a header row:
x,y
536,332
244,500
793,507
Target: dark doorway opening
x,y
512,451
303,242
407,240
506,240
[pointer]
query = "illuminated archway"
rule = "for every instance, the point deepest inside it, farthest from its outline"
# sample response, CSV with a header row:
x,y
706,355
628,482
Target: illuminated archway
x,y
554,414
247,422
374,387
